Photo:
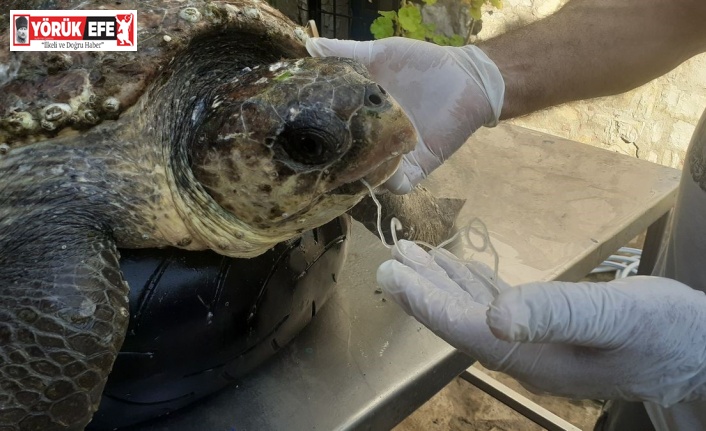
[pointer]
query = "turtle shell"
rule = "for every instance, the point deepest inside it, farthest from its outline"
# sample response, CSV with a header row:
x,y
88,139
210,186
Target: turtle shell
x,y
48,94
215,134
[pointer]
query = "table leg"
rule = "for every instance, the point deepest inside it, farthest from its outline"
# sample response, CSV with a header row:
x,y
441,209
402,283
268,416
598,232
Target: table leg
x,y
653,243
516,401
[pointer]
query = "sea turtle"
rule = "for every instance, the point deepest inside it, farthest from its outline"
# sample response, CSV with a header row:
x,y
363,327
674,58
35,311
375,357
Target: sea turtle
x,y
217,133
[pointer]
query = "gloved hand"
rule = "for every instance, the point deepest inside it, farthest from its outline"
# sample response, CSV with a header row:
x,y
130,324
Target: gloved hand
x,y
640,338
447,92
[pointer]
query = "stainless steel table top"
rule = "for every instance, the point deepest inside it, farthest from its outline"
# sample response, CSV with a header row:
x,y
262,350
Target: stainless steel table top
x,y
554,208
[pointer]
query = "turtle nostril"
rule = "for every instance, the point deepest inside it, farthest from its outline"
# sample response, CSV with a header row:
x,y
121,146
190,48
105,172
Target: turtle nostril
x,y
382,90
374,96
374,99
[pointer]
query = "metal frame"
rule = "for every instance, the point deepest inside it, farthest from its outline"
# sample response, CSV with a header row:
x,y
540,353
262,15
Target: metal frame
x,y
653,244
359,13
315,11
516,401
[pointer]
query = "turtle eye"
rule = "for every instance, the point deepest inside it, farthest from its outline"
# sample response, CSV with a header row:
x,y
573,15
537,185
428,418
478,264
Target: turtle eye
x,y
310,147
314,137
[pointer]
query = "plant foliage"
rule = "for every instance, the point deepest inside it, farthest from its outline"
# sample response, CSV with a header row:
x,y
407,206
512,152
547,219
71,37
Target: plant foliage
x,y
407,22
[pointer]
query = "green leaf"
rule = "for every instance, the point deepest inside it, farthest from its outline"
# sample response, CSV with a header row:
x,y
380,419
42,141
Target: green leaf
x,y
440,39
408,22
429,31
388,14
382,27
475,13
457,40
410,18
418,34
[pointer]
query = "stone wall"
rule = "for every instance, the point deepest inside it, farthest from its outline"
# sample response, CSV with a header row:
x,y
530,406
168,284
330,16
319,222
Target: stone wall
x,y
653,122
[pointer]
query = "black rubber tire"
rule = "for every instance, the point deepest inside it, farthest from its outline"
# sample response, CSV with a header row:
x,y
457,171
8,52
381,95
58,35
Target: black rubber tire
x,y
199,321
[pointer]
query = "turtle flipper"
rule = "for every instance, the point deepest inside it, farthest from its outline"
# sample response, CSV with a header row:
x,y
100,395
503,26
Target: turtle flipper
x,y
63,317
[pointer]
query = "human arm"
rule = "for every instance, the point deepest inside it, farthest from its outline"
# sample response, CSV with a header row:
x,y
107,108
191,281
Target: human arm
x,y
639,338
593,48
589,48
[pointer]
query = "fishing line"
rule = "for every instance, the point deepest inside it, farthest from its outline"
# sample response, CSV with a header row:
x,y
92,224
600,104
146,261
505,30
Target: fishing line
x,y
476,227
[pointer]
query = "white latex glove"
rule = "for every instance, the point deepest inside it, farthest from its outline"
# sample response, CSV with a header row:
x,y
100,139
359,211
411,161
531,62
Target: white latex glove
x,y
447,92
639,339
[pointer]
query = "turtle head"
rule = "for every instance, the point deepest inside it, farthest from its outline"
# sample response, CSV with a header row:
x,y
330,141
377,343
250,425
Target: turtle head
x,y
284,147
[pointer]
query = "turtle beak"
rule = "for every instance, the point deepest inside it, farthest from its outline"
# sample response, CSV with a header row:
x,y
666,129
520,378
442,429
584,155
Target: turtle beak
x,y
374,178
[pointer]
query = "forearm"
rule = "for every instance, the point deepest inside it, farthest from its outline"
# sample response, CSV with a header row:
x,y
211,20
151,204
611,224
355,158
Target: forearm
x,y
593,48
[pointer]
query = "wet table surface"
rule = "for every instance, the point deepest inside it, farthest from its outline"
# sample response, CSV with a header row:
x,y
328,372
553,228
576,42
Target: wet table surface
x,y
554,209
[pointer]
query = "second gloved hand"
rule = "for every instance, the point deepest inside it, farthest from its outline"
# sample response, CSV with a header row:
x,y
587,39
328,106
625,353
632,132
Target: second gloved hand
x,y
448,93
640,338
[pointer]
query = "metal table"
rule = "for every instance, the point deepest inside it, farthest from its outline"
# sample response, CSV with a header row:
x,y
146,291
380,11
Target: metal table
x,y
555,209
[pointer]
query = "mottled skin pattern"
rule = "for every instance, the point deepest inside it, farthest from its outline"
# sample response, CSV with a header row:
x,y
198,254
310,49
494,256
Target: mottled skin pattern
x,y
220,143
62,320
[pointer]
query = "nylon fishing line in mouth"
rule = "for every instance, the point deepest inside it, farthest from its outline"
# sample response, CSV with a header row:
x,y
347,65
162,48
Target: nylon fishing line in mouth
x,y
475,227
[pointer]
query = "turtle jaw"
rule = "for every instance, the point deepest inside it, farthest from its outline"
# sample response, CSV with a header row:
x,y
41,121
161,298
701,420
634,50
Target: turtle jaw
x,y
374,178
